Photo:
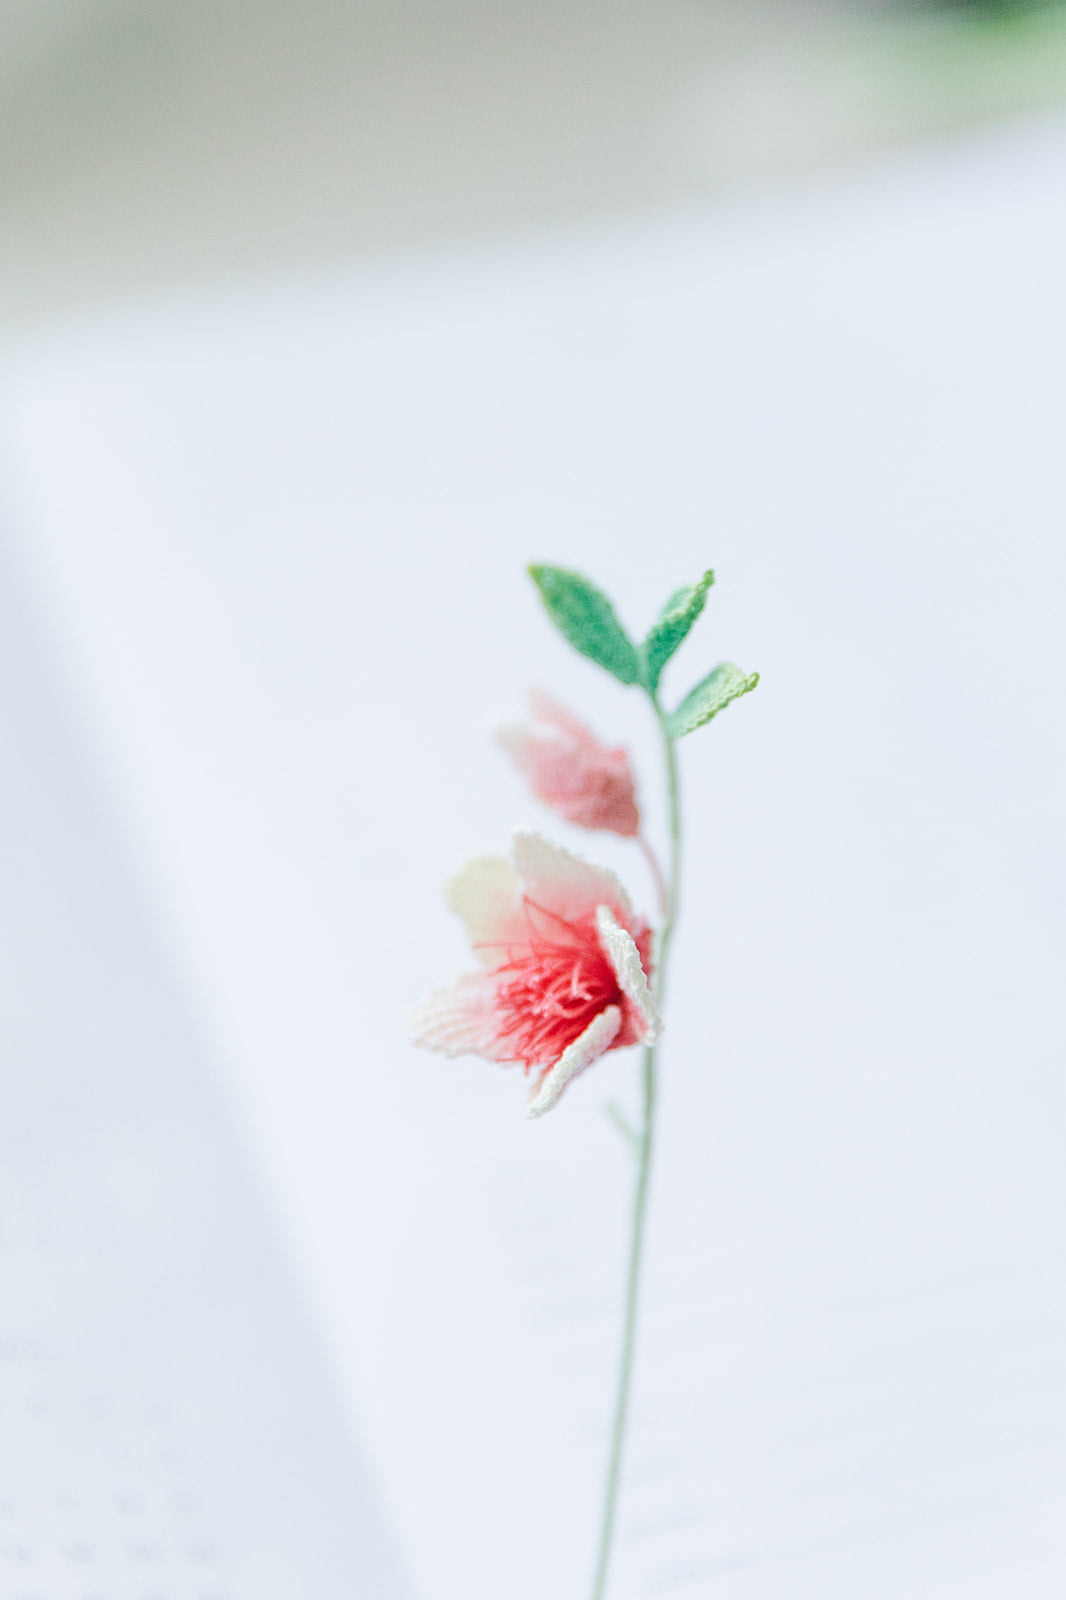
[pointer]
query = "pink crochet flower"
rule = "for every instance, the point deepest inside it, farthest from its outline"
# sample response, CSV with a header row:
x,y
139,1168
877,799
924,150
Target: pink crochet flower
x,y
569,769
565,964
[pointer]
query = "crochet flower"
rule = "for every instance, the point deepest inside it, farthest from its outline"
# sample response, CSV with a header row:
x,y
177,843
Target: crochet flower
x,y
565,966
568,768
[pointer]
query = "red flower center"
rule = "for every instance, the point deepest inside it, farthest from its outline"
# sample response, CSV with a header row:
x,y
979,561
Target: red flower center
x,y
554,984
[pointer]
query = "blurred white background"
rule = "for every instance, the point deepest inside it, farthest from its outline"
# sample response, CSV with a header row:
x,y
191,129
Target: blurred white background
x,y
321,320
142,143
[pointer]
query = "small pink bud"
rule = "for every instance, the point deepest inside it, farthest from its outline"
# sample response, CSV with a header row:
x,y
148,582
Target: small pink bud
x,y
566,766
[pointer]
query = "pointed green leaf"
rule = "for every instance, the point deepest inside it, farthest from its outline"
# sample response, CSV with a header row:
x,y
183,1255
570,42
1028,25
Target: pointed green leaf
x,y
586,617
675,620
717,690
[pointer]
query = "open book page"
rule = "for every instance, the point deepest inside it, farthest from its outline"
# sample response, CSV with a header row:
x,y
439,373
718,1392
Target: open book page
x,y
166,1430
277,543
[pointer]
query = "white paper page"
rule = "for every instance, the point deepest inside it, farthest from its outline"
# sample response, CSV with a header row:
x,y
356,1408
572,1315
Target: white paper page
x,y
279,538
166,1431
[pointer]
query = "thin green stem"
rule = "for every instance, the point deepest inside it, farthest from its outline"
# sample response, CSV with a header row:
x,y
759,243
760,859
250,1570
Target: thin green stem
x,y
640,1201
621,1411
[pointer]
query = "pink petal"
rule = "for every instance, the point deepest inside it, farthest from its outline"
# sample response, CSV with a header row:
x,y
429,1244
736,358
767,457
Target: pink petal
x,y
459,1019
586,1049
563,883
621,951
567,767
549,711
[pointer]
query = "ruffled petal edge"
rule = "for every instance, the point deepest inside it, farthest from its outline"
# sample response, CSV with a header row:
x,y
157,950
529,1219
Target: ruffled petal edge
x,y
621,951
570,880
459,1019
586,1048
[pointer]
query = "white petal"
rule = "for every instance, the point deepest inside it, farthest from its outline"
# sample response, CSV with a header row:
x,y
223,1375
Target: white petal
x,y
563,882
586,1049
459,1019
485,895
621,951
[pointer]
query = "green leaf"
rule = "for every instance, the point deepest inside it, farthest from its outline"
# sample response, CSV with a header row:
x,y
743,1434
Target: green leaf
x,y
717,690
675,620
586,617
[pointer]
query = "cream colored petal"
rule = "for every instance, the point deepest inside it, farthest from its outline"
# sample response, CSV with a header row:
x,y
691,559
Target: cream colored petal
x,y
586,1049
514,737
485,895
459,1019
621,951
563,882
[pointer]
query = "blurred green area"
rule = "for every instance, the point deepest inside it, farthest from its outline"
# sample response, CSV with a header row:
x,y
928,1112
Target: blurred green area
x,y
964,63
996,7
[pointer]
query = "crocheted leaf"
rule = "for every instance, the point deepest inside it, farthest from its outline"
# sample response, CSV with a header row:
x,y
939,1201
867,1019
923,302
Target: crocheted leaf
x,y
717,690
675,620
586,617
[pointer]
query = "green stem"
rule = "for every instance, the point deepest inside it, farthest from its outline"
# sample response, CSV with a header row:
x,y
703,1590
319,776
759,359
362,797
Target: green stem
x,y
640,1202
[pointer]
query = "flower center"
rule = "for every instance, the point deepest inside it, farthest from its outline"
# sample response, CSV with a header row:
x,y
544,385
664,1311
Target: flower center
x,y
552,987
